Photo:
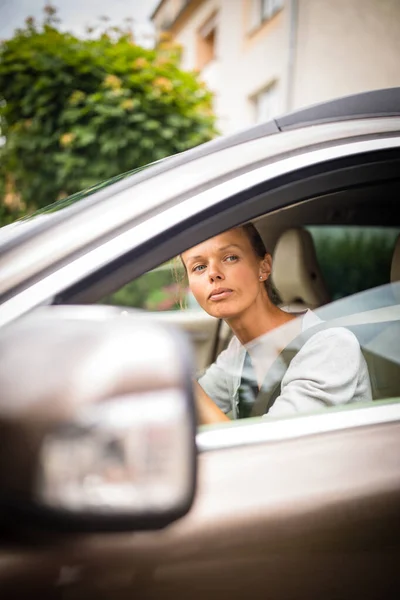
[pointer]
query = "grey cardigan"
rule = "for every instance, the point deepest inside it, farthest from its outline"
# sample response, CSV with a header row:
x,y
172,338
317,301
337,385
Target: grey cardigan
x,y
328,370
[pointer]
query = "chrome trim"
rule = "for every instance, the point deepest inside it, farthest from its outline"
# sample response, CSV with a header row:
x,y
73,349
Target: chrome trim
x,y
265,431
114,248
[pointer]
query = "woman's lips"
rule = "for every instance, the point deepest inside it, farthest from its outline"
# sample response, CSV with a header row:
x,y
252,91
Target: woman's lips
x,y
220,294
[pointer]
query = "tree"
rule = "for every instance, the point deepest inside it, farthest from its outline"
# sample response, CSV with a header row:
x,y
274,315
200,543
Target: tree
x,y
76,111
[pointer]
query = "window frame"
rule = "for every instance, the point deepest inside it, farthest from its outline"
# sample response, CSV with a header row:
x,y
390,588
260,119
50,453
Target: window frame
x,y
263,11
208,28
257,430
271,88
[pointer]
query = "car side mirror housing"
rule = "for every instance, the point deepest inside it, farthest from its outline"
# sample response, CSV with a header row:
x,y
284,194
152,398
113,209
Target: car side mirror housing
x,y
97,421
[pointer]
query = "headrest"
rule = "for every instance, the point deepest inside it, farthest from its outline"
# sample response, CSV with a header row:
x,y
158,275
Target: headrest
x,y
395,268
296,273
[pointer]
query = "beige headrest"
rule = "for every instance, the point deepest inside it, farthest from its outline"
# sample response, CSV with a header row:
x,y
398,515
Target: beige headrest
x,y
296,273
395,268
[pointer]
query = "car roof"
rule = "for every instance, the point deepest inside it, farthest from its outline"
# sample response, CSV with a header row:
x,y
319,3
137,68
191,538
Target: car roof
x,y
373,104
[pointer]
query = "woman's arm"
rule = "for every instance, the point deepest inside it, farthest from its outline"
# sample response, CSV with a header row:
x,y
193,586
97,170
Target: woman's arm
x,y
207,411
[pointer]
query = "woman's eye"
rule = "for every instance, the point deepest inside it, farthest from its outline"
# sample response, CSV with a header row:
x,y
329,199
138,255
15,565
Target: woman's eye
x,y
232,258
198,268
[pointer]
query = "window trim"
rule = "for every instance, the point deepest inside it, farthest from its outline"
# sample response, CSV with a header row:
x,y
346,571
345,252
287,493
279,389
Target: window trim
x,y
272,86
262,19
251,432
208,27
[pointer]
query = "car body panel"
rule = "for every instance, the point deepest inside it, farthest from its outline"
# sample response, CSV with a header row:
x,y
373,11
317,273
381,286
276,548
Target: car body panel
x,y
298,517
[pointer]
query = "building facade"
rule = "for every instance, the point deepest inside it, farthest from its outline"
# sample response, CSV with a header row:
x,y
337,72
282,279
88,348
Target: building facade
x,y
262,58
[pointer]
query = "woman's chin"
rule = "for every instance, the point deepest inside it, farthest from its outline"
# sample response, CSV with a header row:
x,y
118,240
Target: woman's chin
x,y
222,312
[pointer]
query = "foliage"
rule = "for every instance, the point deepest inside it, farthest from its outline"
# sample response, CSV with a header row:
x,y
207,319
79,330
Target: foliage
x,y
76,111
11,207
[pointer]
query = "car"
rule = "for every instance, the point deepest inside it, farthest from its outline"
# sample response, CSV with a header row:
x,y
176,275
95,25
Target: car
x,y
295,507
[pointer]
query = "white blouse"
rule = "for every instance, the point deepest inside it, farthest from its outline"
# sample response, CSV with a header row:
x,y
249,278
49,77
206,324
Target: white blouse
x,y
328,370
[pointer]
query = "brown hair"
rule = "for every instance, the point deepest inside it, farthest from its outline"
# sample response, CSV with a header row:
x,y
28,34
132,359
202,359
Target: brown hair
x,y
181,279
259,248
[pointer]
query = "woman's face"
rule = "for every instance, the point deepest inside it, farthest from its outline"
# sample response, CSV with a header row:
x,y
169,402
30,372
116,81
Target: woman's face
x,y
224,274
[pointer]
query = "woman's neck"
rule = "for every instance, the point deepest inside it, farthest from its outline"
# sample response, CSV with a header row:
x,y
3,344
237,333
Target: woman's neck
x,y
258,320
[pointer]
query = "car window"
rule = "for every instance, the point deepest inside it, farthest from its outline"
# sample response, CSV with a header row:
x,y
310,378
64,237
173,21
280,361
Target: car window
x,y
353,258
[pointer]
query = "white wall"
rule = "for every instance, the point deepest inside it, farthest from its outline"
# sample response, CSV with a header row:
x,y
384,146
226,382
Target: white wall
x,y
250,63
345,47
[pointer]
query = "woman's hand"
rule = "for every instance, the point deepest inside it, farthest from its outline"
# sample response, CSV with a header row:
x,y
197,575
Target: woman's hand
x,y
207,411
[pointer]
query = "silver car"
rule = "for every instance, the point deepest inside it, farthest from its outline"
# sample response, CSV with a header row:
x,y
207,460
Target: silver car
x,y
107,487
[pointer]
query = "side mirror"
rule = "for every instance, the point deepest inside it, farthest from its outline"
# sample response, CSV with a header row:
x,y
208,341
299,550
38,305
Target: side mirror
x,y
97,421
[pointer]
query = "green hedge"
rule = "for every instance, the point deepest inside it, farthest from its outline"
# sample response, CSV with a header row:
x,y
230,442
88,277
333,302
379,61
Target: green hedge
x,y
354,259
75,112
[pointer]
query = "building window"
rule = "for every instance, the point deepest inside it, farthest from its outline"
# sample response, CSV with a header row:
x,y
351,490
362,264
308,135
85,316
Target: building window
x,y
265,104
206,42
263,10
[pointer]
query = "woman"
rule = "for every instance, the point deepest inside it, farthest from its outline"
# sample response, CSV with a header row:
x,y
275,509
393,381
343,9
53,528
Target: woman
x,y
229,275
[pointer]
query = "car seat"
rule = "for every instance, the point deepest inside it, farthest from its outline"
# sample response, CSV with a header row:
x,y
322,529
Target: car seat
x,y
296,273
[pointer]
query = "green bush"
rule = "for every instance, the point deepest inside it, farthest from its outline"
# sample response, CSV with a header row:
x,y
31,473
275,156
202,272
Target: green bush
x,y
74,112
353,259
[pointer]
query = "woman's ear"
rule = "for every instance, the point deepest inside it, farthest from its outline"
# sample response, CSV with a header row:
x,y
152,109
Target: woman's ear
x,y
266,266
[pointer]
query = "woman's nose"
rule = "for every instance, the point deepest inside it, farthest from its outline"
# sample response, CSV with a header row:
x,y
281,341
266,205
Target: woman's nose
x,y
215,274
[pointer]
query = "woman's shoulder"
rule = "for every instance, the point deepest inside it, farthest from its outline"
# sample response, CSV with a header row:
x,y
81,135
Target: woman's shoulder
x,y
328,342
336,337
316,331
